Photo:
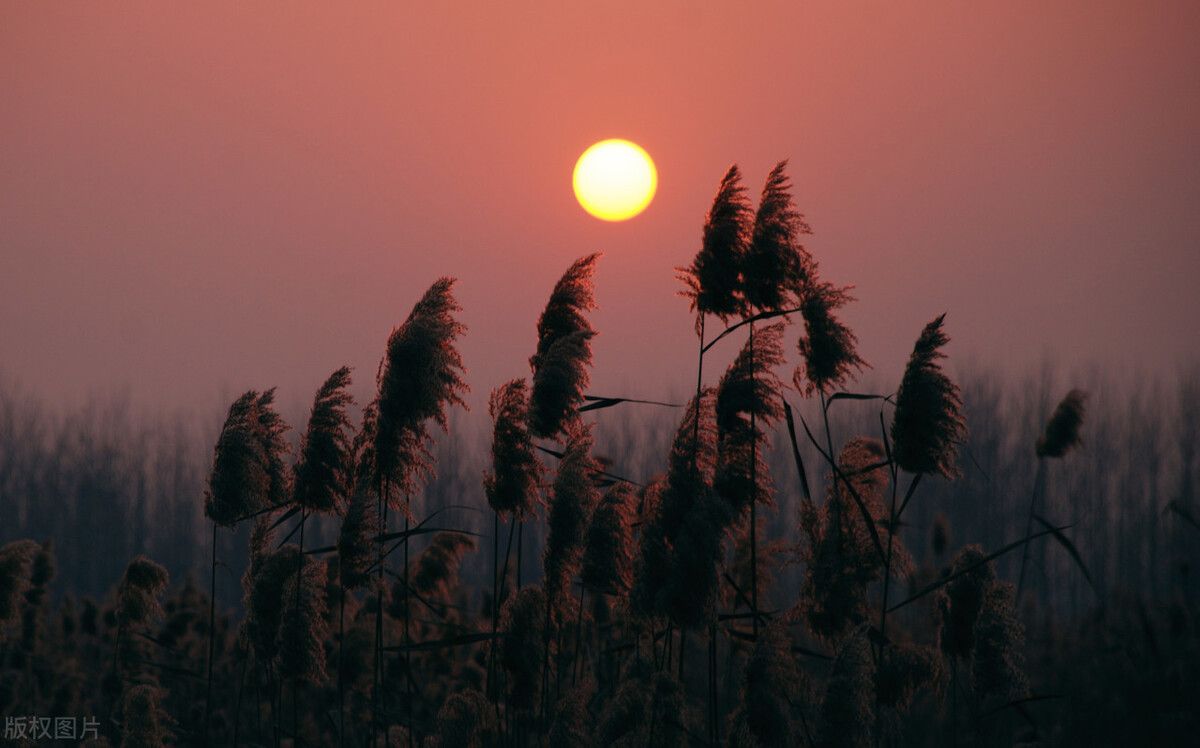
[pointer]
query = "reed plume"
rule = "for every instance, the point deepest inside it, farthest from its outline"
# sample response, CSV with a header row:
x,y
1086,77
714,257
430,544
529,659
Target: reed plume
x,y
841,556
419,378
436,575
713,280
361,521
16,561
929,424
829,348
523,647
248,472
940,536
772,690
138,594
466,720
303,627
848,709
512,483
777,265
998,660
747,402
607,562
904,670
324,472
574,498
1062,430
265,600
648,709
144,723
572,726
668,502
564,352
959,602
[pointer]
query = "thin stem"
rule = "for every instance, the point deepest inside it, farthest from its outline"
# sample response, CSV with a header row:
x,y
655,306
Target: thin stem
x,y
212,634
408,641
299,579
341,656
753,497
1038,481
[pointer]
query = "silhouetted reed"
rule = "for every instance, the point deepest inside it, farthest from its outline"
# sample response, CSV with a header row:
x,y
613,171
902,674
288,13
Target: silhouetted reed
x,y
928,425
144,723
848,708
16,560
437,568
998,660
466,720
324,472
607,557
1062,430
772,695
564,352
248,472
959,602
841,555
747,402
360,522
777,265
419,378
573,499
714,279
138,594
690,469
304,626
828,347
648,709
523,647
512,483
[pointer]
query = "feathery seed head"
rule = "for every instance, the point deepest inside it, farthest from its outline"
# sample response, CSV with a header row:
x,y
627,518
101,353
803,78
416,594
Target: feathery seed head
x,y
607,565
959,602
144,723
523,645
303,628
564,351
998,664
771,686
575,496
829,348
419,378
1062,430
324,472
777,265
248,472
16,560
928,425
713,280
848,710
138,593
512,483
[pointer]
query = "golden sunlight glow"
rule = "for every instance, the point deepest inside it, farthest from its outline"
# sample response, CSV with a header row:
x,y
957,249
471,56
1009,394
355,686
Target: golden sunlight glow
x,y
615,180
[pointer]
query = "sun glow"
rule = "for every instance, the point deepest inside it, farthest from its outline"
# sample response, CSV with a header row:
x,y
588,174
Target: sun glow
x,y
615,180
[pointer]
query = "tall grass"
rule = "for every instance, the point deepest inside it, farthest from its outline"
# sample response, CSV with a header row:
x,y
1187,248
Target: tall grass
x,y
874,614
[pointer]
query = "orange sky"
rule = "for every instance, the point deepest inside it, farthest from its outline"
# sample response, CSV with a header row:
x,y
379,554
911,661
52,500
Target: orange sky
x,y
199,200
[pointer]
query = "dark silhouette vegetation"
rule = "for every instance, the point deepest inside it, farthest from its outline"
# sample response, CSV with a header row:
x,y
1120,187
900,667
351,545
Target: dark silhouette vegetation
x,y
941,560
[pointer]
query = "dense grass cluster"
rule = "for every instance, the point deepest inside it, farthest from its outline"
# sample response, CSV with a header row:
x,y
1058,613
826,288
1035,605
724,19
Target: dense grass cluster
x,y
778,579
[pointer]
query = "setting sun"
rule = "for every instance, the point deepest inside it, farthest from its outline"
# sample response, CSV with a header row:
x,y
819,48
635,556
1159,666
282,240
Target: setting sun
x,y
615,180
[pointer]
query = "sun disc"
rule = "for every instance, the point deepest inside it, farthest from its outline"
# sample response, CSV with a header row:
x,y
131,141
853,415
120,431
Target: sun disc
x,y
615,180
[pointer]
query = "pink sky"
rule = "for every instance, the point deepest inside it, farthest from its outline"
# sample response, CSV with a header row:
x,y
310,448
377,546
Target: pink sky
x,y
199,200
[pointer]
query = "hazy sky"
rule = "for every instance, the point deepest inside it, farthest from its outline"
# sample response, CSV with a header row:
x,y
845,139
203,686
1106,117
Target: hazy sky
x,y
197,199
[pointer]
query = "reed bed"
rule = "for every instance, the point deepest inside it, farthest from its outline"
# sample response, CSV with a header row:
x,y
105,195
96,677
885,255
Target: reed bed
x,y
827,562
